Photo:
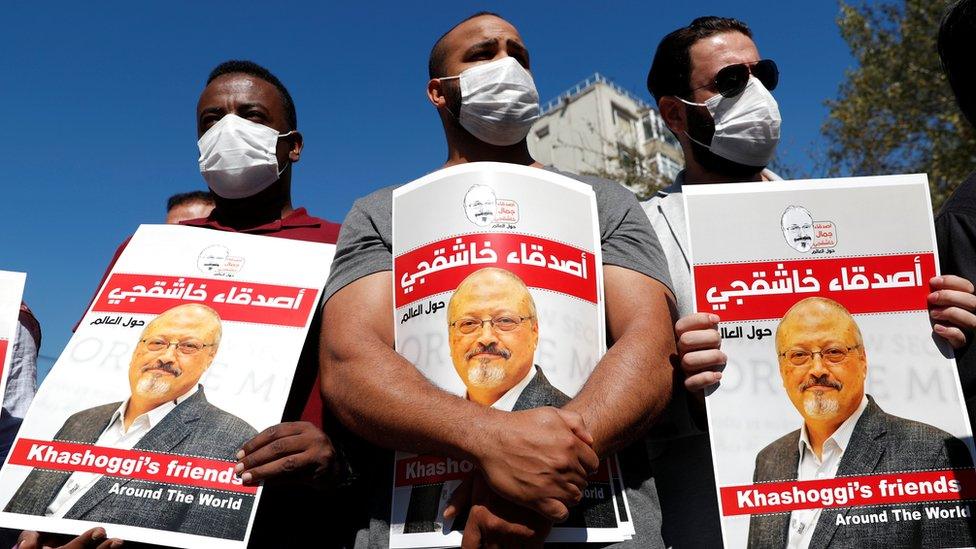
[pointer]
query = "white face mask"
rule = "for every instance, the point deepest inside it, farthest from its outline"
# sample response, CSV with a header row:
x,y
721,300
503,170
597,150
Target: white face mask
x,y
237,157
499,101
746,125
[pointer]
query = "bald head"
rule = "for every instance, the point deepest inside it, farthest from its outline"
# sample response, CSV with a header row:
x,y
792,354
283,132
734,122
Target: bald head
x,y
492,332
816,311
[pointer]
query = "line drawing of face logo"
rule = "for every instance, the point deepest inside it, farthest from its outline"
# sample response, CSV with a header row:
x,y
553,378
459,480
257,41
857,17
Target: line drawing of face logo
x,y
479,205
797,224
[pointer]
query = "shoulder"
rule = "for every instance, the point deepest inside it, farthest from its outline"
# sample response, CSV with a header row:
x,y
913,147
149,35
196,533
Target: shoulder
x,y
915,433
221,422
963,199
775,450
378,203
92,419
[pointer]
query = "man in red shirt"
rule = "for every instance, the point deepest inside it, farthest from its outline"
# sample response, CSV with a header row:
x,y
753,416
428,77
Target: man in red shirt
x,y
295,457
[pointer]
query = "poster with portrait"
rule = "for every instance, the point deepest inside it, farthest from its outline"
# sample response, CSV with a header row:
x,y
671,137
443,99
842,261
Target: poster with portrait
x,y
187,351
11,294
839,419
498,298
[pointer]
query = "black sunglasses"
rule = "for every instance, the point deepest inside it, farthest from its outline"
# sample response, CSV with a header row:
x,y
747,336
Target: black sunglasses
x,y
731,80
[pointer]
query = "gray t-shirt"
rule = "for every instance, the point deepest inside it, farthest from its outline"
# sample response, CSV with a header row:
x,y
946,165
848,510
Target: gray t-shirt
x,y
627,240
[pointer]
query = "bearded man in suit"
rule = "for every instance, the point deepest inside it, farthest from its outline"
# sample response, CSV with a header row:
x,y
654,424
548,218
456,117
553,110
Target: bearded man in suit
x,y
823,364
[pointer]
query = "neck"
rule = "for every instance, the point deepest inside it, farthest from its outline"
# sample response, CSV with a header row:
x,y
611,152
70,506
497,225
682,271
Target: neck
x,y
696,173
136,407
462,147
484,397
269,205
818,432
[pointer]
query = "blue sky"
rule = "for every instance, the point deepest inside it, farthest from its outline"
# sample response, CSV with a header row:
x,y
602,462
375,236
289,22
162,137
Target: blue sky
x,y
98,100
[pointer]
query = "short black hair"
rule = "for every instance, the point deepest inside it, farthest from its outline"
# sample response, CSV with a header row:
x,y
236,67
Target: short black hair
x,y
192,197
250,68
955,50
670,72
435,64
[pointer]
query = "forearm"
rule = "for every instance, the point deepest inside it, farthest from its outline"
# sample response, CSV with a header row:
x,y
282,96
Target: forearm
x,y
632,384
383,398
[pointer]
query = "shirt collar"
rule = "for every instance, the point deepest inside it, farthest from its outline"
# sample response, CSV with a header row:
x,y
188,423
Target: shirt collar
x,y
507,401
841,436
153,416
297,218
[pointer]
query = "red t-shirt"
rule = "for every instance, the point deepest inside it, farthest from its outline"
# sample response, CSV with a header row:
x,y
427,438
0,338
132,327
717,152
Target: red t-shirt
x,y
297,225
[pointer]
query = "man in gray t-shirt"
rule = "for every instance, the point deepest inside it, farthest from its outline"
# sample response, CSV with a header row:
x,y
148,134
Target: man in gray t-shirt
x,y
532,463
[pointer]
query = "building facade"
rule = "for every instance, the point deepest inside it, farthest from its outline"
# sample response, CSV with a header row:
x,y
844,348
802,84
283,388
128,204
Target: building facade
x,y
597,127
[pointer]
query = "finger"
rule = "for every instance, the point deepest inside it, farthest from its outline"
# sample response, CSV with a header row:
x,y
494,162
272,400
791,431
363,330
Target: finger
x,y
696,321
951,282
961,318
952,298
552,509
699,361
283,466
86,539
953,335
271,433
113,543
576,424
460,499
272,451
588,458
471,538
702,381
28,540
697,340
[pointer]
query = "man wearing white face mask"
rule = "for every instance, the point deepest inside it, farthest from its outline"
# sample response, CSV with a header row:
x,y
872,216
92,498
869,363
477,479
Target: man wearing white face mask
x,y
248,140
713,91
532,463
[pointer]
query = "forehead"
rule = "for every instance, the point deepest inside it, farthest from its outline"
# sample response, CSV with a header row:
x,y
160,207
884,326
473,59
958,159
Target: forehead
x,y
815,325
796,216
490,292
238,88
189,323
479,29
709,55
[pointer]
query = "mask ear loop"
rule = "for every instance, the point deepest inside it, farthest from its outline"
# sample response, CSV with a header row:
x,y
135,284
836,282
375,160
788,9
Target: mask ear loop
x,y
686,131
456,118
289,160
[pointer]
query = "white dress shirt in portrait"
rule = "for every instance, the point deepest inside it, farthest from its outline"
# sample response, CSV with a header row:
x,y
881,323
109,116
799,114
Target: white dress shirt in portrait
x,y
114,436
804,521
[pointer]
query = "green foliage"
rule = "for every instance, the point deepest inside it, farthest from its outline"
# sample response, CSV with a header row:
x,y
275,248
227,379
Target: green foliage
x,y
895,112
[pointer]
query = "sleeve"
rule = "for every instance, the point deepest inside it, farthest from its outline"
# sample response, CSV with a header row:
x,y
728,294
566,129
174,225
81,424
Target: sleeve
x,y
364,245
628,239
22,380
955,233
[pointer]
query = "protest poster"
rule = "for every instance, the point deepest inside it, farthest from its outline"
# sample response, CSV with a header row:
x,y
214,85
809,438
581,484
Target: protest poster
x,y
11,294
187,351
498,298
839,420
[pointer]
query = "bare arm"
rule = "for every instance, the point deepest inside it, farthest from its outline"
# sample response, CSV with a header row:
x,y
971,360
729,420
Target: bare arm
x,y
631,385
538,458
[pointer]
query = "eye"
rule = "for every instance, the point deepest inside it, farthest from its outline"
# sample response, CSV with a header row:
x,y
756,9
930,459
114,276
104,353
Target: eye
x,y
505,323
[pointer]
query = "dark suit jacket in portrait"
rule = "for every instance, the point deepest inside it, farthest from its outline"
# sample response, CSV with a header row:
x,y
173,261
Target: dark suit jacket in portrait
x,y
594,513
880,443
193,428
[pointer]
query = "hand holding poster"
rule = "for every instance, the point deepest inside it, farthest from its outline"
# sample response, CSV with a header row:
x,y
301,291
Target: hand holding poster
x,y
187,352
498,299
839,419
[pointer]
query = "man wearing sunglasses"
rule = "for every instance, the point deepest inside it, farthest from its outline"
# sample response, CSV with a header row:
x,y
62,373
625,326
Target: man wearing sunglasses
x,y
713,90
